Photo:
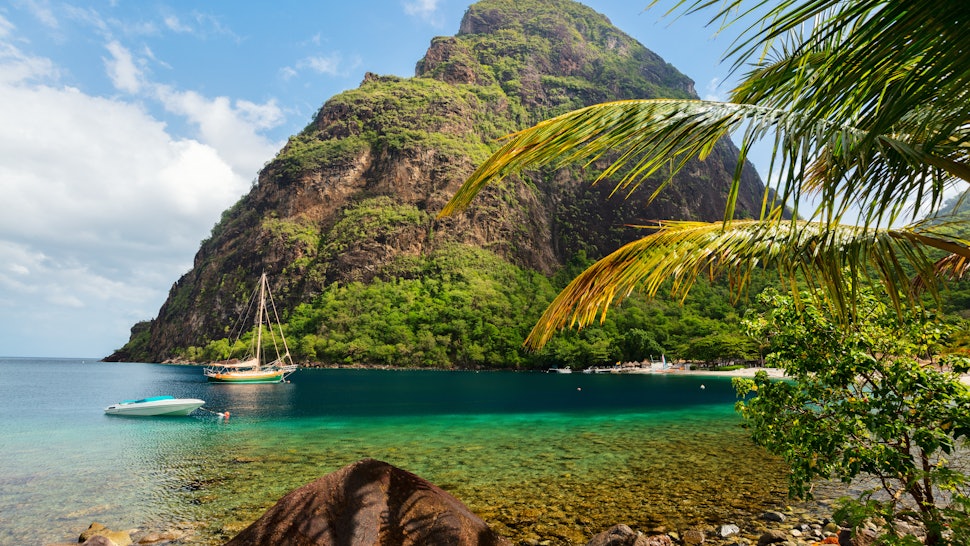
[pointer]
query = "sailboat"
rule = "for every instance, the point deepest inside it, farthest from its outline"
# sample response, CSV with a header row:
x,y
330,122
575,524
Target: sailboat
x,y
258,367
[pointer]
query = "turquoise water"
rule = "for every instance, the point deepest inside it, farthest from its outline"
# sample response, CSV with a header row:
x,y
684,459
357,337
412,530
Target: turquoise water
x,y
538,456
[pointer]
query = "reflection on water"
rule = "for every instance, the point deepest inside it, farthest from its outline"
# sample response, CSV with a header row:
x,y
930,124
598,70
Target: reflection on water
x,y
260,401
537,456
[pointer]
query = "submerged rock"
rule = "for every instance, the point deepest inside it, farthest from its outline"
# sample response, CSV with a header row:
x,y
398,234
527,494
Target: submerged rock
x,y
369,502
693,537
772,536
95,530
772,515
155,537
618,535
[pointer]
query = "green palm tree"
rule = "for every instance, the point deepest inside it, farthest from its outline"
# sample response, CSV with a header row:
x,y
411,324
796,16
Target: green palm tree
x,y
867,104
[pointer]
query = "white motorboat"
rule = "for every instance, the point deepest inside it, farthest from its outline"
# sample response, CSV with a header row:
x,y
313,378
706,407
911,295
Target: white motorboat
x,y
155,406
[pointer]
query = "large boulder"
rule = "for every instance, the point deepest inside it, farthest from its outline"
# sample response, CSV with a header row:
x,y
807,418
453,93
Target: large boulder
x,y
369,503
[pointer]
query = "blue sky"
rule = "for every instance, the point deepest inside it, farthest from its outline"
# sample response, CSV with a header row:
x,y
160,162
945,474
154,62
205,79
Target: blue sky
x,y
130,125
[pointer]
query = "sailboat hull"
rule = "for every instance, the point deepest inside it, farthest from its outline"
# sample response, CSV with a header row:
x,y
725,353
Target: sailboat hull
x,y
245,376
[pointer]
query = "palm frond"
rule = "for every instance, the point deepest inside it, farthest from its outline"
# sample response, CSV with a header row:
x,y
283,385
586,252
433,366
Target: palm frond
x,y
858,158
648,135
660,135
820,255
875,36
894,71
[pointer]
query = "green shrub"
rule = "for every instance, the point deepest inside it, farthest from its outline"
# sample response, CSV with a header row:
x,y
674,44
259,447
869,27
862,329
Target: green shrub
x,y
861,402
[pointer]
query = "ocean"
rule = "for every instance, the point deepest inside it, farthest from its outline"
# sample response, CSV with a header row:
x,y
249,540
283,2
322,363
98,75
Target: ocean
x,y
538,456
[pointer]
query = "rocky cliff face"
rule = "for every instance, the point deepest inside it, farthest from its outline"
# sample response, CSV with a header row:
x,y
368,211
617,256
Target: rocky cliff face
x,y
357,191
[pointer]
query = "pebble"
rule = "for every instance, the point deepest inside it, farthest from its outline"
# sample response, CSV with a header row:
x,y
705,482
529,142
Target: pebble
x,y
774,516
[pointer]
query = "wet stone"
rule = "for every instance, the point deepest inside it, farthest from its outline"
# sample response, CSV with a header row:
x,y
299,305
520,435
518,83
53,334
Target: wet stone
x,y
772,515
693,537
772,536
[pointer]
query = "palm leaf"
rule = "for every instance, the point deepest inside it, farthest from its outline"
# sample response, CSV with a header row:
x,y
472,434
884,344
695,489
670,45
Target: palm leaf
x,y
650,136
894,71
820,255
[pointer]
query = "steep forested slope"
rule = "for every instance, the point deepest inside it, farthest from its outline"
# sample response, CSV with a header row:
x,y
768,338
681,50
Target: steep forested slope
x,y
343,218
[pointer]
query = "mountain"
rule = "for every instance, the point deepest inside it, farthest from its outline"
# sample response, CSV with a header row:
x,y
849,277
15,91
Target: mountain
x,y
345,213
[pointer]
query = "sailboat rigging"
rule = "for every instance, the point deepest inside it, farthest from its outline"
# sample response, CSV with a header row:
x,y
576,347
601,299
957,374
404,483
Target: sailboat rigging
x,y
258,367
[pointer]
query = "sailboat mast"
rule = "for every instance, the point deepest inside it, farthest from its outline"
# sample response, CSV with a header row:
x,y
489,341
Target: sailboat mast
x,y
259,319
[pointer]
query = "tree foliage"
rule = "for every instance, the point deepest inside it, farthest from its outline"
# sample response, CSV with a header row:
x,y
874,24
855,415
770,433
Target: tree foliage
x,y
866,400
466,307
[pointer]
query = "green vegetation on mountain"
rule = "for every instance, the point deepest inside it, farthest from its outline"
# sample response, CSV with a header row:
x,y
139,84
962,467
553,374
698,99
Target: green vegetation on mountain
x,y
466,307
344,219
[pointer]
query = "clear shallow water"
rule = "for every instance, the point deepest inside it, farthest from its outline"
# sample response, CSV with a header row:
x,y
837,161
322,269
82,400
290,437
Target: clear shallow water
x,y
543,456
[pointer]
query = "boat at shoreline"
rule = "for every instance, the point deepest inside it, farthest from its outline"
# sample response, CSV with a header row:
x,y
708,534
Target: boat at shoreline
x,y
257,367
155,406
645,366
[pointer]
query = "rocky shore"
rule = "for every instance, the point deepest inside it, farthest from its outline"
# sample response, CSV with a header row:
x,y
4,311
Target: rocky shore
x,y
372,502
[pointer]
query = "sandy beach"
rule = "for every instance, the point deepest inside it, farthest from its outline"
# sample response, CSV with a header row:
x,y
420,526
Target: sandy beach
x,y
677,369
776,373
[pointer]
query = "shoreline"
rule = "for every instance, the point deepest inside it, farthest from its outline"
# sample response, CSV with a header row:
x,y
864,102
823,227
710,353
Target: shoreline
x,y
773,373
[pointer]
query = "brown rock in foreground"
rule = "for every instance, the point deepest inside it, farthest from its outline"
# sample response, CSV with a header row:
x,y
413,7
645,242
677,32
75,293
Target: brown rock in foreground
x,y
369,503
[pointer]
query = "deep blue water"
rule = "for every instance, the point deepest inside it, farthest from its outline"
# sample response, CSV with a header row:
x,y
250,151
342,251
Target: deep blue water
x,y
498,440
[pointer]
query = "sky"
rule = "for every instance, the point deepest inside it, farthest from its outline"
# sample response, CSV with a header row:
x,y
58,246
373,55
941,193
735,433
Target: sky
x,y
129,126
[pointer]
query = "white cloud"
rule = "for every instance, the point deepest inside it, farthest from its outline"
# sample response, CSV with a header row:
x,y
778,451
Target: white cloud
x,y
122,70
231,128
332,64
88,174
88,16
423,9
102,205
44,297
323,65
713,90
5,26
43,12
287,73
16,66
175,25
